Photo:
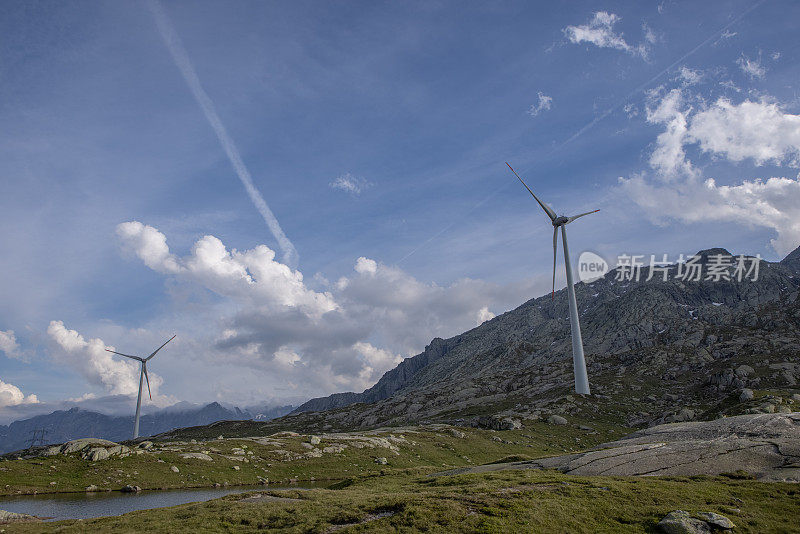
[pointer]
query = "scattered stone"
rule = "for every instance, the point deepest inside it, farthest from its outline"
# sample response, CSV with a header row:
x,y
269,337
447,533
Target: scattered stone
x,y
496,422
746,395
174,469
314,440
381,461
13,517
680,522
457,433
92,487
556,420
236,468
130,489
716,521
585,427
197,456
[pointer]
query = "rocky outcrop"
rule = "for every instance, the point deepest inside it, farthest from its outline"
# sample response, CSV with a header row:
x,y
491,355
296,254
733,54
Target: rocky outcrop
x,y
766,447
702,340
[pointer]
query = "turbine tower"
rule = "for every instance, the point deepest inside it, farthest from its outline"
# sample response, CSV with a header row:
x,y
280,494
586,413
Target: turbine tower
x,y
142,375
578,361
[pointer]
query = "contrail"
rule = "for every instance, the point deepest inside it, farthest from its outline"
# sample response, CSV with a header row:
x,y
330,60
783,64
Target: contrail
x,y
181,58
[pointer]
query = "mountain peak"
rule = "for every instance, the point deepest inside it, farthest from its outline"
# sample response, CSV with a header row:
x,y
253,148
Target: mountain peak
x,y
713,252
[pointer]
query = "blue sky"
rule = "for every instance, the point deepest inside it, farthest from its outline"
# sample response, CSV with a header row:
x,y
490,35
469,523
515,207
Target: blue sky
x,y
376,133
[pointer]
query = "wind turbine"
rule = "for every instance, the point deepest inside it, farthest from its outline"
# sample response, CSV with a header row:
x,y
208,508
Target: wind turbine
x,y
578,361
142,375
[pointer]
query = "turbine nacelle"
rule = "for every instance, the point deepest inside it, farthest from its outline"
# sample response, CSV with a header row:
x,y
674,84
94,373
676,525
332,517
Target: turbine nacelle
x,y
560,221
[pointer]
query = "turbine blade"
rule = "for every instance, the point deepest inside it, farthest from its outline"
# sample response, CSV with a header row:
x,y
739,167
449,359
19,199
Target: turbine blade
x,y
555,248
569,220
147,378
550,213
126,355
159,348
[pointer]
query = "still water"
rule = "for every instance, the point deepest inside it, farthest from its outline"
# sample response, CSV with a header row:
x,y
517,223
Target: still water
x,y
106,503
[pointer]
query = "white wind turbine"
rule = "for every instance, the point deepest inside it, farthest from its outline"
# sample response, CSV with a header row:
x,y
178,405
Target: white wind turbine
x,y
578,361
142,375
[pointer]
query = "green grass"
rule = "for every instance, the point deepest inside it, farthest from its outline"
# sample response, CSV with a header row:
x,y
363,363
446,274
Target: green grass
x,y
425,448
509,501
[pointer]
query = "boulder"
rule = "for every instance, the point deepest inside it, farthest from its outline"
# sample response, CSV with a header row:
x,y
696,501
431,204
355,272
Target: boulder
x,y
680,522
381,461
716,521
236,468
197,456
746,395
314,440
145,445
92,487
130,489
556,420
13,517
96,454
174,469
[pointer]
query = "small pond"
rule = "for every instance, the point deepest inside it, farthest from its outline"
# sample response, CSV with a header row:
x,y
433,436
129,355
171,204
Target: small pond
x,y
107,503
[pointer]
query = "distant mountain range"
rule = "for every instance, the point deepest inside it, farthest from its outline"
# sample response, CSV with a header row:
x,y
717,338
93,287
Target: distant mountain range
x,y
64,425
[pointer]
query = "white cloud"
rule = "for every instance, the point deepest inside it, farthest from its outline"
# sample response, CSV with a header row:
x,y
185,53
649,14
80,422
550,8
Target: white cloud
x,y
669,157
11,395
308,341
600,32
350,184
115,374
689,76
8,343
771,203
248,277
751,67
759,131
544,104
484,315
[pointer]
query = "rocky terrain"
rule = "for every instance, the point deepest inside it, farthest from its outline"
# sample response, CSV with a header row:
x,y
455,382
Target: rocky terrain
x,y
657,351
764,447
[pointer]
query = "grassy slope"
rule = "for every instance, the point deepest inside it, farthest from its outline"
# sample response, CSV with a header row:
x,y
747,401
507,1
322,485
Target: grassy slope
x,y
523,501
426,447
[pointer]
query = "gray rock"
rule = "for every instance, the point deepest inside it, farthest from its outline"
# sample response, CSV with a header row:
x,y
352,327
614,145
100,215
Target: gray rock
x,y
314,440
556,420
381,461
174,469
92,487
145,445
236,467
130,489
746,395
744,370
716,521
13,517
766,445
96,454
197,456
680,522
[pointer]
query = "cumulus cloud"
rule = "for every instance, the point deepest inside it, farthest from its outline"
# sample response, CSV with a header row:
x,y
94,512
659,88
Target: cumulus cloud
x,y
8,343
760,131
757,131
599,31
117,375
350,184
751,67
544,104
312,341
11,395
251,277
484,315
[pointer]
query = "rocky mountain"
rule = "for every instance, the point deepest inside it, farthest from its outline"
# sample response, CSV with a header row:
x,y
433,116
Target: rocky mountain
x,y
657,350
65,425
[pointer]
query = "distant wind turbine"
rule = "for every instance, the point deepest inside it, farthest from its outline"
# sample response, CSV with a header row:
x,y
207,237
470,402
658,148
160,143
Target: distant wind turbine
x,y
142,375
578,361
